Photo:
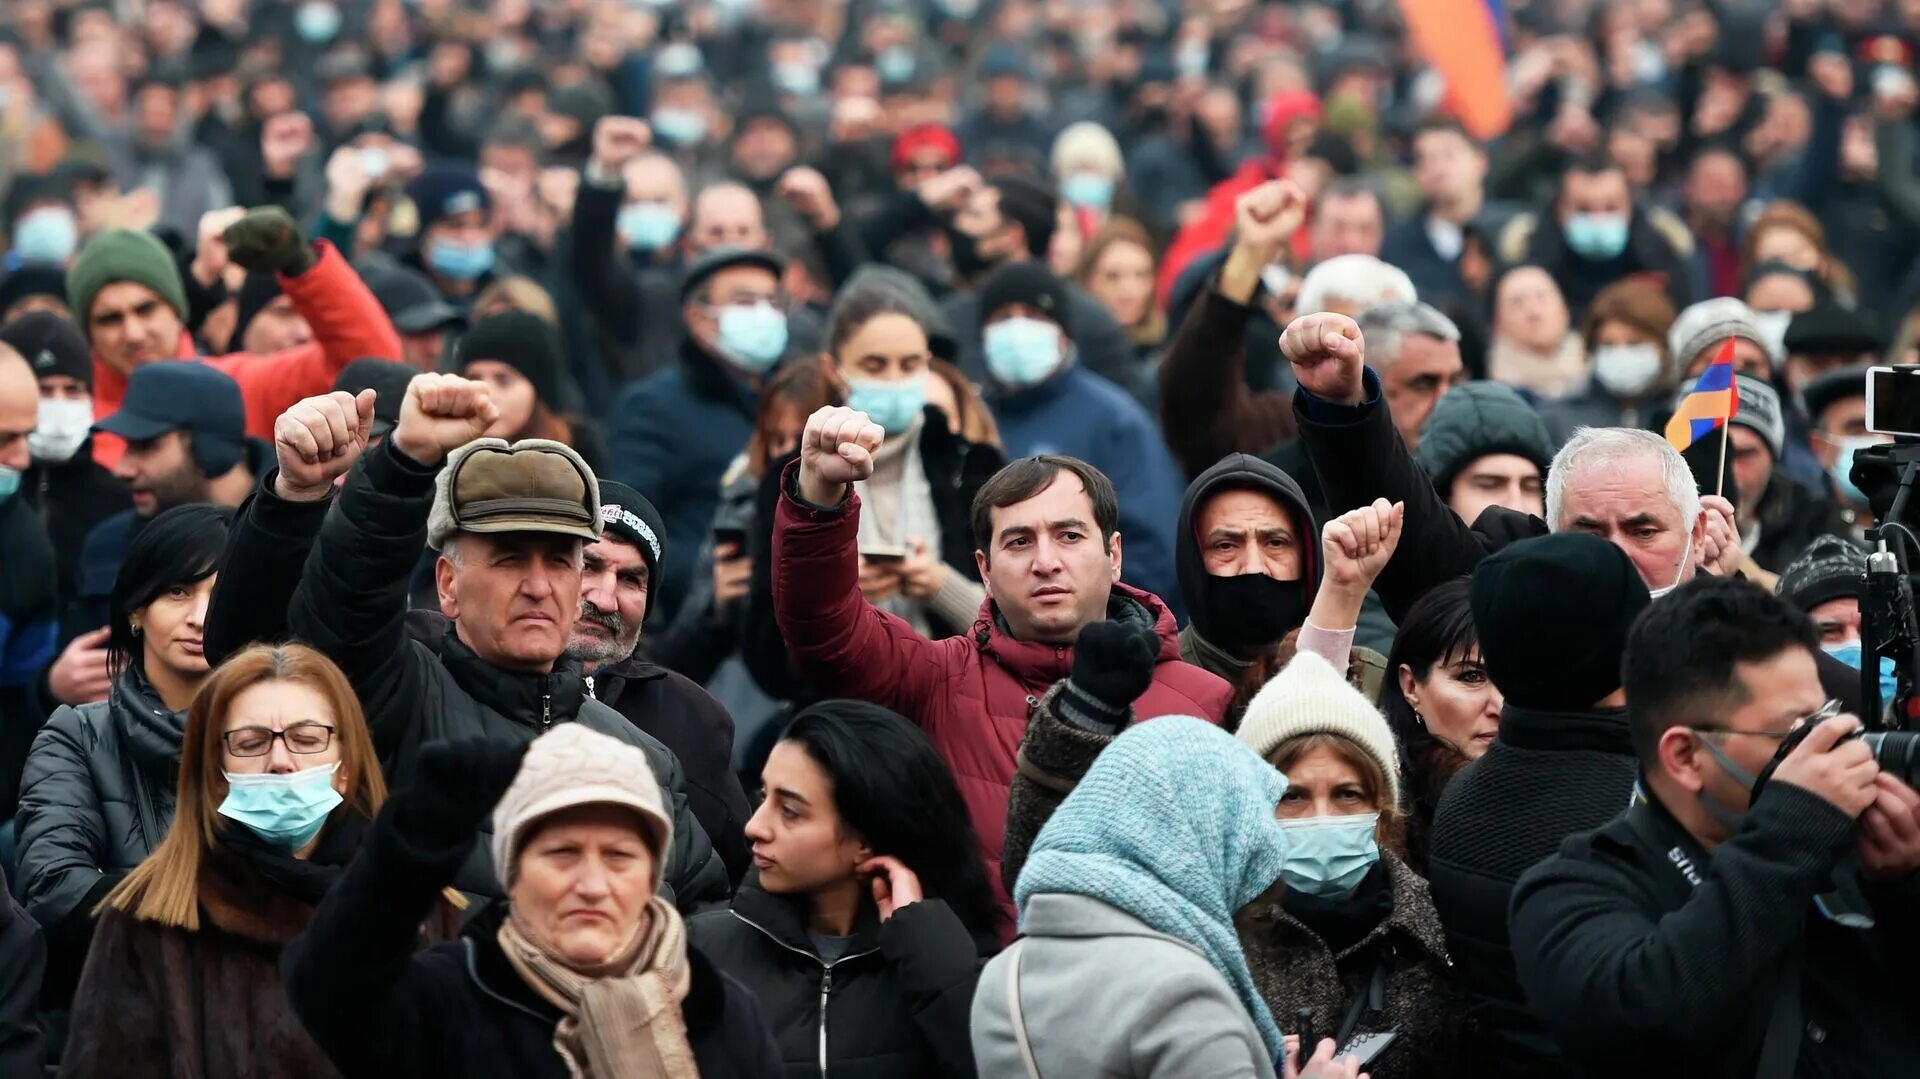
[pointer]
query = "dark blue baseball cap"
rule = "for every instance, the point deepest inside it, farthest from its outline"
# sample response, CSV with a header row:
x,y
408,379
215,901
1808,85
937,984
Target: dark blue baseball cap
x,y
184,396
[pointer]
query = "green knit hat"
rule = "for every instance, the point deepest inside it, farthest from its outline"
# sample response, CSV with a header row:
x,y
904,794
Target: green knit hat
x,y
123,255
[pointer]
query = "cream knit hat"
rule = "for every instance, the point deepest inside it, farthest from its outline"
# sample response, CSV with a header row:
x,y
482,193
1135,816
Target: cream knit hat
x,y
569,766
1310,697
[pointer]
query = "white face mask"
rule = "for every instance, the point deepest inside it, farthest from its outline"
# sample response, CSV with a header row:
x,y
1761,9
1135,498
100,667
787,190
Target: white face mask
x,y
1626,370
1679,571
62,429
1773,326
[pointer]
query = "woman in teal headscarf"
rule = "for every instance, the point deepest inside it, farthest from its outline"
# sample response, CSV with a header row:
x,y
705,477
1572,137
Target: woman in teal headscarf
x,y
1131,965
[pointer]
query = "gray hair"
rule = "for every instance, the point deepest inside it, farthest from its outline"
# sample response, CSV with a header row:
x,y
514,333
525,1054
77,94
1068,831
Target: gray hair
x,y
1360,279
1385,327
1592,447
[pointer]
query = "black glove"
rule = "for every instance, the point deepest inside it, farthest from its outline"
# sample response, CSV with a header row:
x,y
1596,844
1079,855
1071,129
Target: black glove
x,y
455,785
268,241
1112,665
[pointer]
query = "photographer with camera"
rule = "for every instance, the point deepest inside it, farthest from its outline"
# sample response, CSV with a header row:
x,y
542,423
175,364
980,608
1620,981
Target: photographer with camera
x,y
1698,929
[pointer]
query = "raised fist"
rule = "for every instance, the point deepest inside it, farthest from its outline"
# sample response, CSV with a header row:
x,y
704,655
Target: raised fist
x,y
210,258
318,440
1113,662
267,240
949,191
618,140
1328,356
1359,543
811,197
836,449
441,413
1265,218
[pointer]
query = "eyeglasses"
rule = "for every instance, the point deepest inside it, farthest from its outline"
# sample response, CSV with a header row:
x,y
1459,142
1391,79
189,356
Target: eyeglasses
x,y
1827,711
258,741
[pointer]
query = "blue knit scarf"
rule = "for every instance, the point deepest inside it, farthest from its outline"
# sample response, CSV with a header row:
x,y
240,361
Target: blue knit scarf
x,y
1174,825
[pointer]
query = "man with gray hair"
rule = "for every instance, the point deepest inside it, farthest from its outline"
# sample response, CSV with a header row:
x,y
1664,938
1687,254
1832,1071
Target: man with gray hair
x,y
1628,487
1416,350
1349,284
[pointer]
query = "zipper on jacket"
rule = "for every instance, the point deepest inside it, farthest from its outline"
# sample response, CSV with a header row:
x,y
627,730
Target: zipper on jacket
x,y
546,703
826,977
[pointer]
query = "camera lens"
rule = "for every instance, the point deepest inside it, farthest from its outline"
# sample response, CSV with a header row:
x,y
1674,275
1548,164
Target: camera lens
x,y
1898,753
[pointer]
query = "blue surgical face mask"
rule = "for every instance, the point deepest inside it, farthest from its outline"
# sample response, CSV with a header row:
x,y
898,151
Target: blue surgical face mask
x,y
316,21
1022,351
799,79
461,262
48,235
1728,817
1842,470
892,405
287,810
678,127
9,483
1089,189
1329,856
895,63
753,336
648,226
1852,654
1597,236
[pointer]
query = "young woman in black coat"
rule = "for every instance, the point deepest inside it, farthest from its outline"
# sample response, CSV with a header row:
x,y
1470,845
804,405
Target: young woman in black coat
x,y
863,928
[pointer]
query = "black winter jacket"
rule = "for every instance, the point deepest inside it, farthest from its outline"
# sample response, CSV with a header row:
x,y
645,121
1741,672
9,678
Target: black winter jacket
x,y
23,963
897,1003
1548,775
1636,946
379,1009
96,798
72,498
351,605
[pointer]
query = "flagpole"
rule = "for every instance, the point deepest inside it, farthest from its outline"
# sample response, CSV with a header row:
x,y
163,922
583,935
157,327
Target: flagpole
x,y
1720,471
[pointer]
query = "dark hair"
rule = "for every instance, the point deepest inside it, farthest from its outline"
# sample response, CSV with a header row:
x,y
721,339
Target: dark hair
x,y
179,546
860,303
892,787
804,386
1028,476
1352,187
1680,655
1439,626
1029,202
1591,165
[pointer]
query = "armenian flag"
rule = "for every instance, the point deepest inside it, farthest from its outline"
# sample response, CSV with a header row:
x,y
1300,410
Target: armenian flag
x,y
1707,407
1463,41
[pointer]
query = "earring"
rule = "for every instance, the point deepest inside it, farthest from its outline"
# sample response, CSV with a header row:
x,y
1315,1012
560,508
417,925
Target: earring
x,y
135,627
1420,719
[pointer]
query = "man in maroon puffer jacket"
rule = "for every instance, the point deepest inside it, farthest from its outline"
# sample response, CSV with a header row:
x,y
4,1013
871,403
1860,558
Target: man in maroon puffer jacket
x,y
1048,552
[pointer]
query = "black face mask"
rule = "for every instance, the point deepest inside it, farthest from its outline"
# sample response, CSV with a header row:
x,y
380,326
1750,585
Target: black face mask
x,y
1250,611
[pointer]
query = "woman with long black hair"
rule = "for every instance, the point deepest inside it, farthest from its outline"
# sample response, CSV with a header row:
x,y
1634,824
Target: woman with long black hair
x,y
864,924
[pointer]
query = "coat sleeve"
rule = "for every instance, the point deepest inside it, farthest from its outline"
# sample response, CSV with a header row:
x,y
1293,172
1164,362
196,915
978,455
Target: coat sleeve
x,y
120,1011
23,965
1207,410
1183,1022
1359,457
351,601
934,956
695,873
348,323
1053,755
604,280
1597,968
641,442
353,977
851,647
61,832
1137,461
267,547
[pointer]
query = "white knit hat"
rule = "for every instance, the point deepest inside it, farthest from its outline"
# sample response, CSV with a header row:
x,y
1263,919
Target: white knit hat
x,y
1310,697
572,765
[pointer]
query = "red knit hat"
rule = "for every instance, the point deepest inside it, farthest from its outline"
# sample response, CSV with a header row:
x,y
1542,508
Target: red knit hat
x,y
921,136
1286,107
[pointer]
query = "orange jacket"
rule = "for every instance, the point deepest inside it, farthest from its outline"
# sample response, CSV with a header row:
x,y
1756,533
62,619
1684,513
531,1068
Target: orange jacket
x,y
347,322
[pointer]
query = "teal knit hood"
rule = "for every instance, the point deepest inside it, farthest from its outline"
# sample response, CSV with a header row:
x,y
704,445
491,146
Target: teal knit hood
x,y
1174,825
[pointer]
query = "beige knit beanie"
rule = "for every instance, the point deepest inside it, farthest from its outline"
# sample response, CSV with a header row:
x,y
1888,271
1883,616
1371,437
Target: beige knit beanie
x,y
1309,697
569,766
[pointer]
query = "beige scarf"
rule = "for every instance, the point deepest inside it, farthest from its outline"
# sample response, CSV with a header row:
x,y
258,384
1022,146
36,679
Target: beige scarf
x,y
1558,375
622,1019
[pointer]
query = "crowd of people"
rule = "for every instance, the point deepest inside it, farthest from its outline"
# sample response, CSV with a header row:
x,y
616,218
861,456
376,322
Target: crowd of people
x,y
948,537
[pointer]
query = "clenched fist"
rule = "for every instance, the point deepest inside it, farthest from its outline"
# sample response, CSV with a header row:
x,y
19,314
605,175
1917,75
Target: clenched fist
x,y
1265,218
836,449
1358,544
441,413
1328,357
811,197
318,440
618,140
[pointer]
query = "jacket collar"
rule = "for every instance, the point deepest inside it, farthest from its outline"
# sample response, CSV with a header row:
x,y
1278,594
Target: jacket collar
x,y
712,379
153,734
1602,730
784,919
533,699
1411,919
1038,663
1039,395
610,681
238,900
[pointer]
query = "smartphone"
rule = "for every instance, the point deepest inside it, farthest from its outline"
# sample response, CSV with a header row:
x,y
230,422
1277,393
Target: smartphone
x,y
881,553
1893,400
1367,1047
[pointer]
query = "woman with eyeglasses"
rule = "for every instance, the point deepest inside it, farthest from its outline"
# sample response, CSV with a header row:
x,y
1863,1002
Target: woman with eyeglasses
x,y
97,791
278,784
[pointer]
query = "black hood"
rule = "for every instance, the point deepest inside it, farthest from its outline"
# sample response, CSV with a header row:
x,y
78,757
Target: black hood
x,y
1240,471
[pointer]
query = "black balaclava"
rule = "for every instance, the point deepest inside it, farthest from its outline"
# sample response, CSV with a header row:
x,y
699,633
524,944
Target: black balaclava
x,y
1246,613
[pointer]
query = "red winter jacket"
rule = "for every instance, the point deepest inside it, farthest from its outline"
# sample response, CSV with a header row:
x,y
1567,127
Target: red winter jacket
x,y
348,323
969,693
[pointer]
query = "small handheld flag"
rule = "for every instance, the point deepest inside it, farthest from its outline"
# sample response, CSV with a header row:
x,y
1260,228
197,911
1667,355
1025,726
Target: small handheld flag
x,y
1709,405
